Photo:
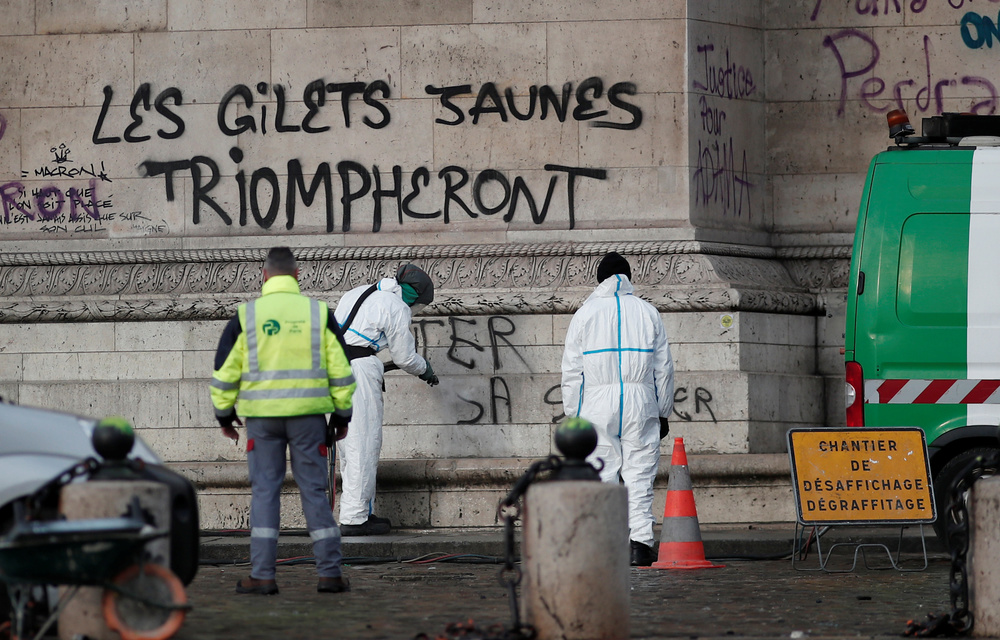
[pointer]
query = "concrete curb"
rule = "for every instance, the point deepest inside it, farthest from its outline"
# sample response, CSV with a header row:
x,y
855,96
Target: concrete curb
x,y
501,472
765,541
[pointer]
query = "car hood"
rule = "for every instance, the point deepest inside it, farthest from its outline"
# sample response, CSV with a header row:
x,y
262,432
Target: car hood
x,y
34,431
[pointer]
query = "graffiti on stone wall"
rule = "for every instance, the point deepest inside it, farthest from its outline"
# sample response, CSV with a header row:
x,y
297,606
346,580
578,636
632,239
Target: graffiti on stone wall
x,y
54,208
583,100
489,395
721,177
880,86
980,31
265,200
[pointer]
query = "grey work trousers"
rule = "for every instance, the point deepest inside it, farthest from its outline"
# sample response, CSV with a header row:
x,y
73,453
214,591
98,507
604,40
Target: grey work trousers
x,y
267,440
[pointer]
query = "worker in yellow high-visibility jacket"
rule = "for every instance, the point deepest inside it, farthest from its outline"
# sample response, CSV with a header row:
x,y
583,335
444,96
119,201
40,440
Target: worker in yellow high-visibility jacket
x,y
281,366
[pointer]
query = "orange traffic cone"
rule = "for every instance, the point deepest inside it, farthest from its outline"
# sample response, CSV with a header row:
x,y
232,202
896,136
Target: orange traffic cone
x,y
680,540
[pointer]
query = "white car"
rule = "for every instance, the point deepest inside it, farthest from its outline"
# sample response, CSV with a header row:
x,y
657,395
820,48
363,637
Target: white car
x,y
38,445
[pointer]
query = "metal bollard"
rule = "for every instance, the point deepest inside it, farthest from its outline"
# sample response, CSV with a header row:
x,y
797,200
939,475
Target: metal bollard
x,y
984,557
575,550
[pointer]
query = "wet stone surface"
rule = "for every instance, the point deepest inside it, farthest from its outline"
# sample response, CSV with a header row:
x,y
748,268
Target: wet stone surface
x,y
758,599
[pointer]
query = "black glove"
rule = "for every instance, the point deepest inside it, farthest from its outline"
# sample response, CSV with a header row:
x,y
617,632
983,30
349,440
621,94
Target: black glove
x,y
336,428
228,429
664,428
428,376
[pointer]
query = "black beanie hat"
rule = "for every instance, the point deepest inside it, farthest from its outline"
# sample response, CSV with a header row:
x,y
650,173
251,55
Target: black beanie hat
x,y
611,264
417,278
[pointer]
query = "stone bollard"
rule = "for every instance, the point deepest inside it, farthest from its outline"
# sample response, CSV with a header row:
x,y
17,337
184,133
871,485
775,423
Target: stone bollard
x,y
575,547
108,499
576,561
984,557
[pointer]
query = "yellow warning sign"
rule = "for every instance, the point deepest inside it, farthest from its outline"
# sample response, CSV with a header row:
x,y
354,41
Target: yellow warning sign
x,y
861,476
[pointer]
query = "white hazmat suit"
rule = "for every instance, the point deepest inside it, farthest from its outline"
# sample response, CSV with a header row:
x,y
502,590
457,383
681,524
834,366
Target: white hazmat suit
x,y
382,322
618,374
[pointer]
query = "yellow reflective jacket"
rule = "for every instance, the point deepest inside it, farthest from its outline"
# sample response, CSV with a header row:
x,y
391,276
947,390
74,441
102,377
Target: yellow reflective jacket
x,y
279,357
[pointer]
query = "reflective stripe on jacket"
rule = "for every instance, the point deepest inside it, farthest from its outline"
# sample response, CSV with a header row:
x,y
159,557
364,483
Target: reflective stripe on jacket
x,y
285,361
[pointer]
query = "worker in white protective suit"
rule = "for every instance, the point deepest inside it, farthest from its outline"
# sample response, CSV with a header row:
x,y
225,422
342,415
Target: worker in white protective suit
x,y
618,374
374,318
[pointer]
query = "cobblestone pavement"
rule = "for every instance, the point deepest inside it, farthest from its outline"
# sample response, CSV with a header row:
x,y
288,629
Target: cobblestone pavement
x,y
752,599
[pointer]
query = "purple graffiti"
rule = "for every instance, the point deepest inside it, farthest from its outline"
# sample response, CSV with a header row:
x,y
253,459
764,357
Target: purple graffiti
x,y
929,95
47,202
731,80
830,42
717,179
870,7
711,117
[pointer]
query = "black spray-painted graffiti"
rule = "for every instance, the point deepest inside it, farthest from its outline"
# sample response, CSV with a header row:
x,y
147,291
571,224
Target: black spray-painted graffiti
x,y
721,176
52,209
358,182
500,405
927,92
702,402
587,95
261,194
49,203
586,101
499,329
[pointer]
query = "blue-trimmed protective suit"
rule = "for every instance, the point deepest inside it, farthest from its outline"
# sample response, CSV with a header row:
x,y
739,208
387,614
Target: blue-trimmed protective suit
x,y
382,322
618,374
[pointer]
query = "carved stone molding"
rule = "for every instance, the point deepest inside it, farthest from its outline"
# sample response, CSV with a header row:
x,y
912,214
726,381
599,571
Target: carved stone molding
x,y
469,279
820,275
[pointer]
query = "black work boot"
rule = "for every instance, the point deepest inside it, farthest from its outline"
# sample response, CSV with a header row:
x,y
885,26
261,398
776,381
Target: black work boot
x,y
641,555
373,526
333,585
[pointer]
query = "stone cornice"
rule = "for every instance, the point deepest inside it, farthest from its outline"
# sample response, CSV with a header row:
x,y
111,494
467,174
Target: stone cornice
x,y
399,253
470,279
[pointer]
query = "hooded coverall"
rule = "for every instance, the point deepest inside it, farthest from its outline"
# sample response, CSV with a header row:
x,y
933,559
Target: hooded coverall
x,y
283,360
383,321
618,374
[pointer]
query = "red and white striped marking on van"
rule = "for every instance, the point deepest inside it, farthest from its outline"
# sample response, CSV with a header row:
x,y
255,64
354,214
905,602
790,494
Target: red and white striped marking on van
x,y
932,391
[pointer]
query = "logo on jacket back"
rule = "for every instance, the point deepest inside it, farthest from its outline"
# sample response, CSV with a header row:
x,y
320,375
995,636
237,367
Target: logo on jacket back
x,y
271,327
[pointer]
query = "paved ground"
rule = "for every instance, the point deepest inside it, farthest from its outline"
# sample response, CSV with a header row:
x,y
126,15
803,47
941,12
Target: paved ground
x,y
400,599
755,599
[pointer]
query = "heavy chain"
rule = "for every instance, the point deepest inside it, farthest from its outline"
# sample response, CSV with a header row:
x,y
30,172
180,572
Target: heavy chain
x,y
45,493
509,512
960,620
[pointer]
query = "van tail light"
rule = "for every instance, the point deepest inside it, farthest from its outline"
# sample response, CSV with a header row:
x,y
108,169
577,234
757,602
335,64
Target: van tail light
x,y
855,400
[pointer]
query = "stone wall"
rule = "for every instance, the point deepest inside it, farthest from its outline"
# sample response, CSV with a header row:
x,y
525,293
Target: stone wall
x,y
150,152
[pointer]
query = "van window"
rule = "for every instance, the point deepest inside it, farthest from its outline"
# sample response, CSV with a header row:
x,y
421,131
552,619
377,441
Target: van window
x,y
932,279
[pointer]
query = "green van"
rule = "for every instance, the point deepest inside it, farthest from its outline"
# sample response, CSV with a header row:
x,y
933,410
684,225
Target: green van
x,y
922,339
